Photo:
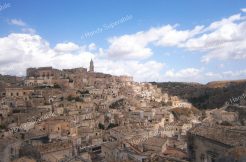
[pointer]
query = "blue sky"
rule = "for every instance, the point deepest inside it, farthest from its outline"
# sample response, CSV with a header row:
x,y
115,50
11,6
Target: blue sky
x,y
189,40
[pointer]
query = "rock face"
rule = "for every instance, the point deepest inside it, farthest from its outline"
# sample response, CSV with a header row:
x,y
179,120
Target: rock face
x,y
209,96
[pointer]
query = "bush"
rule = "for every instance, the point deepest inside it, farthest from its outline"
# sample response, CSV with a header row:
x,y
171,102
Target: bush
x,y
84,92
2,127
70,98
226,123
100,126
56,86
77,99
112,125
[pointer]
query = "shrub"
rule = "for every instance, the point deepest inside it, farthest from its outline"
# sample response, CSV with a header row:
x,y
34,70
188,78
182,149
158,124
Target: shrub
x,y
56,86
100,126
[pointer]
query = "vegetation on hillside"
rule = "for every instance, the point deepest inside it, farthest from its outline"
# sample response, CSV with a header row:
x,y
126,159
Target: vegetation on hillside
x,y
186,112
209,96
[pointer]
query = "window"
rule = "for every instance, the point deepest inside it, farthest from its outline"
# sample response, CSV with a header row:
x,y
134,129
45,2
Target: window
x,y
12,150
212,156
202,157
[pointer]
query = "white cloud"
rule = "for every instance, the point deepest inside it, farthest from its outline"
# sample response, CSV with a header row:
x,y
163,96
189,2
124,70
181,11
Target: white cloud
x,y
148,71
213,75
200,75
20,51
184,73
243,9
17,22
223,40
92,47
234,74
66,47
28,30
135,46
173,37
129,47
221,66
24,26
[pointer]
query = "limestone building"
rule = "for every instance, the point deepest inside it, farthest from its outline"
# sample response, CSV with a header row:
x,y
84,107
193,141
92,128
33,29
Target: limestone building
x,y
207,143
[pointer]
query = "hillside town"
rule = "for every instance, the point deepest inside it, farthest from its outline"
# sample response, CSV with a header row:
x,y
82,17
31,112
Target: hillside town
x,y
80,115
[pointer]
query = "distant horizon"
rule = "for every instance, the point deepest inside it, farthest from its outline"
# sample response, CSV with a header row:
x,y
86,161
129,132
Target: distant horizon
x,y
189,82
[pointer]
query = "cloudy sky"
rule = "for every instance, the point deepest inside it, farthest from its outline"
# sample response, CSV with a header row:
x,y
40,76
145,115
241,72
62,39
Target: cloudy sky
x,y
151,40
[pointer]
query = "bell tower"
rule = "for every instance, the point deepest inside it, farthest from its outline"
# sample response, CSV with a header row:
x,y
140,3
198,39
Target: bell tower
x,y
91,66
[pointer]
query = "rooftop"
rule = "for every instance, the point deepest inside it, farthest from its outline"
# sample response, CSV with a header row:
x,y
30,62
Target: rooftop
x,y
111,145
229,135
156,141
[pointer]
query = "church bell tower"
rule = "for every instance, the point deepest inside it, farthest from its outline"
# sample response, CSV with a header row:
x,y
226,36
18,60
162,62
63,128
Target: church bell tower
x,y
91,66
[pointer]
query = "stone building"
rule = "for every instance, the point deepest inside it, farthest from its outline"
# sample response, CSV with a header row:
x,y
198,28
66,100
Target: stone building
x,y
9,149
206,143
42,72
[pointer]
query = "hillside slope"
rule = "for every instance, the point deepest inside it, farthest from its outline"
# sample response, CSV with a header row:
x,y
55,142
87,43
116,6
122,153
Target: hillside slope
x,y
208,96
